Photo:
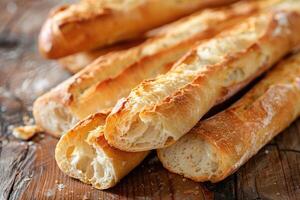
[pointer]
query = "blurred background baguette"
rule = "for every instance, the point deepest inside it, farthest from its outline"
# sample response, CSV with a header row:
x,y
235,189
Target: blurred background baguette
x,y
92,24
160,111
112,76
76,62
218,146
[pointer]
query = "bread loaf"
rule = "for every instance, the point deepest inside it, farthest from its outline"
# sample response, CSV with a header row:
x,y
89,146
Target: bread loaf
x,y
112,76
160,111
92,24
84,154
218,146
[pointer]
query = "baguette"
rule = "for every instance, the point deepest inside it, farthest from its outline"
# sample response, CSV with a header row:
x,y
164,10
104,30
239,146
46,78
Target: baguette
x,y
92,24
86,156
112,76
79,140
210,73
76,62
218,146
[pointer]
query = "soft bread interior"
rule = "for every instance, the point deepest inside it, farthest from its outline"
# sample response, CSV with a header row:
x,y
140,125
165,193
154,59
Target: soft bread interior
x,y
84,154
191,157
80,158
99,171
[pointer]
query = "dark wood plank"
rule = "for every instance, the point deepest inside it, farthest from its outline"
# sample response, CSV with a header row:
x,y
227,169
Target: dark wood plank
x,y
274,173
28,169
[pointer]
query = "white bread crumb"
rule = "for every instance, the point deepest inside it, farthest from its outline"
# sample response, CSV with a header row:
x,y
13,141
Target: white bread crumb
x,y
60,186
26,132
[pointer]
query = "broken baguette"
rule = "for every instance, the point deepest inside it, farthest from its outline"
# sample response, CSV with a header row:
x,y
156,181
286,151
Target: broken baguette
x,y
84,154
92,24
160,111
101,84
218,146
76,62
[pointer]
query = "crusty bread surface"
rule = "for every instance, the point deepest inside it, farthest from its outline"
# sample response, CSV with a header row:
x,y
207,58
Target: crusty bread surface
x,y
218,146
85,155
91,24
212,72
112,76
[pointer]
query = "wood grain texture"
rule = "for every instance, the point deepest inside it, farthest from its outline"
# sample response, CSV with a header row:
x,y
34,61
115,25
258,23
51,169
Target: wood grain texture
x,y
28,169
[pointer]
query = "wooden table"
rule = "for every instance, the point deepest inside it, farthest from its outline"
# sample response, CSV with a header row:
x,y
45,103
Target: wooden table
x,y
28,169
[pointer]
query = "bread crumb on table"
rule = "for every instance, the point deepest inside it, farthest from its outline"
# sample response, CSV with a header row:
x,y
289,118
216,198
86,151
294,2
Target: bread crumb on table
x,y
50,192
60,186
26,132
266,151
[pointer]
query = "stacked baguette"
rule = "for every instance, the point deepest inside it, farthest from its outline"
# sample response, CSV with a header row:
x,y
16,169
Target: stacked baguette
x,y
190,66
218,146
112,76
92,24
85,146
210,73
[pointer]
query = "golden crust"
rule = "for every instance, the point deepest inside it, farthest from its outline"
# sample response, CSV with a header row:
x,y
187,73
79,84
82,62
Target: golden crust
x,y
242,130
74,28
112,76
145,119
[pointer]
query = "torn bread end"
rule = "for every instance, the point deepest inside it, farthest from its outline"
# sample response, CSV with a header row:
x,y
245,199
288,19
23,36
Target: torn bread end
x,y
84,154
